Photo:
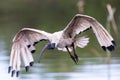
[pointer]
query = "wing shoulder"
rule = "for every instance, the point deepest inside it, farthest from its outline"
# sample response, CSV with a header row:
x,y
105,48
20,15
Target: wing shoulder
x,y
33,33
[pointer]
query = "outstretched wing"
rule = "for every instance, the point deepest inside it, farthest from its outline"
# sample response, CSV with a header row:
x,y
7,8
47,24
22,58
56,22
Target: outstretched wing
x,y
81,23
23,45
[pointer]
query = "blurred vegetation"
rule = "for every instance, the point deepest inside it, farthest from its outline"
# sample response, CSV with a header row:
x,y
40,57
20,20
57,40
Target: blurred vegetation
x,y
51,15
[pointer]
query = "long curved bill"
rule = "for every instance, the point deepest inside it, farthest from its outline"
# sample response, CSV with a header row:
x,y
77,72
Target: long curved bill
x,y
42,52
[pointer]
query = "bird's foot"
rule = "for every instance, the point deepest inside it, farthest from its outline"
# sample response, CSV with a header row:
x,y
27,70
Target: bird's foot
x,y
75,59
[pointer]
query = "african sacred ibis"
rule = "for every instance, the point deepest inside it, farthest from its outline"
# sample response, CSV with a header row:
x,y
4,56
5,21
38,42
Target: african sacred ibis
x,y
65,40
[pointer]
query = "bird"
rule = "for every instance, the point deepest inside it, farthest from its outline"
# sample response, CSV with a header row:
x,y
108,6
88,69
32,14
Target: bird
x,y
65,40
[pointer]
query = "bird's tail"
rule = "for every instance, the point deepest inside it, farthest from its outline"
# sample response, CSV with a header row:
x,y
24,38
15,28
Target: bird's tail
x,y
81,41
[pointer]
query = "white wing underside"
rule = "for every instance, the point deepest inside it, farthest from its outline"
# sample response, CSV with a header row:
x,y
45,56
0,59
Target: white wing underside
x,y
23,47
81,23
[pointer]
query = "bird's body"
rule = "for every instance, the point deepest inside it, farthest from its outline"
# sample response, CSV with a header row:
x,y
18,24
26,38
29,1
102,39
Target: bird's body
x,y
65,40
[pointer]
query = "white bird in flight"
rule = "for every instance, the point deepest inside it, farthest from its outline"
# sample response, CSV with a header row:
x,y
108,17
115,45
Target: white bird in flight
x,y
65,40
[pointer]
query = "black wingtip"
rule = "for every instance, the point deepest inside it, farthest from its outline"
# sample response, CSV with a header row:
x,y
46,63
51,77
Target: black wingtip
x,y
31,63
13,72
27,68
28,46
104,48
33,51
110,48
114,43
9,69
17,73
35,43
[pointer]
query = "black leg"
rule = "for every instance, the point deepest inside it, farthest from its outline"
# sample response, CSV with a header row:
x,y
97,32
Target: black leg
x,y
73,58
75,55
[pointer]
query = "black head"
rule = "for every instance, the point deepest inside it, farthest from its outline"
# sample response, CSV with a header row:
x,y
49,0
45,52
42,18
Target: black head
x,y
51,46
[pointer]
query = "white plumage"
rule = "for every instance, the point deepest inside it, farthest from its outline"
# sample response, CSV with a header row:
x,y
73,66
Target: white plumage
x,y
65,40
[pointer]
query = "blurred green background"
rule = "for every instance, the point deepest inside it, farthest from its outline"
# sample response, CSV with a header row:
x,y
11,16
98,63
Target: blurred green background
x,y
51,16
